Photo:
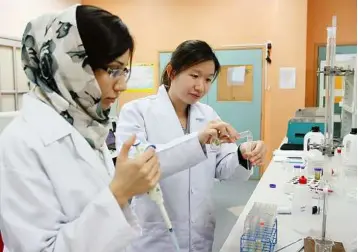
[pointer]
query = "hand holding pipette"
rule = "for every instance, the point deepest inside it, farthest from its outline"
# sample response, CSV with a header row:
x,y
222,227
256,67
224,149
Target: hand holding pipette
x,y
156,195
134,176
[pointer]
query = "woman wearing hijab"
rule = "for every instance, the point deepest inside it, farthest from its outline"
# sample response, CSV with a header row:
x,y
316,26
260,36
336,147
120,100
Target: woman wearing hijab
x,y
59,189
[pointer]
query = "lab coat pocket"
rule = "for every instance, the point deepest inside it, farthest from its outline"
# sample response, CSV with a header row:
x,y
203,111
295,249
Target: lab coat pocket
x,y
204,215
210,221
156,237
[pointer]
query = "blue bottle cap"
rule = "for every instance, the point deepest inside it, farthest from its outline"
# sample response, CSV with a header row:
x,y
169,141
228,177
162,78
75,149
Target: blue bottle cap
x,y
318,169
272,185
297,166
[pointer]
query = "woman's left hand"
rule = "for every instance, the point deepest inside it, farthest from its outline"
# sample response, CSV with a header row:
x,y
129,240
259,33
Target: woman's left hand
x,y
254,151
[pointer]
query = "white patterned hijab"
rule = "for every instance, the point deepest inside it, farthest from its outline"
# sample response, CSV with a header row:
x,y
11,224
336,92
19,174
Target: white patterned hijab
x,y
55,61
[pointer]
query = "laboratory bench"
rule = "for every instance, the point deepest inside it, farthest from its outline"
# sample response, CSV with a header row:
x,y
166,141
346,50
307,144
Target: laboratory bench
x,y
341,217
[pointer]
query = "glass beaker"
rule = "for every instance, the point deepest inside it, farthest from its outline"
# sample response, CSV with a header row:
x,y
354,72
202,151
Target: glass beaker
x,y
323,245
215,144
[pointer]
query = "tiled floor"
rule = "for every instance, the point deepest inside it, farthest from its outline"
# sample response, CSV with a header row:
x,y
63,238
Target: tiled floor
x,y
230,198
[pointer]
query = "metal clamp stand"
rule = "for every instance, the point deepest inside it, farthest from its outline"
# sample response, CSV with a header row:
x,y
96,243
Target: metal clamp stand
x,y
328,147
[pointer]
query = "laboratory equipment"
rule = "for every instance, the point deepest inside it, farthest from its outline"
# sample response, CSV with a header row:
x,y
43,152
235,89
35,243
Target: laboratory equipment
x,y
215,142
301,203
249,138
350,149
313,137
317,173
349,153
296,171
303,122
349,100
260,228
303,170
337,163
323,245
330,71
156,195
314,159
288,245
329,86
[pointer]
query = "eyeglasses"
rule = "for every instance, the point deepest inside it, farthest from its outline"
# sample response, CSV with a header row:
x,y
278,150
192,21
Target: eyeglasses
x,y
116,73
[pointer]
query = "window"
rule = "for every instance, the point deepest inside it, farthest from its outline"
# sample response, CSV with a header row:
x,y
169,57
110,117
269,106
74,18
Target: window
x,y
13,81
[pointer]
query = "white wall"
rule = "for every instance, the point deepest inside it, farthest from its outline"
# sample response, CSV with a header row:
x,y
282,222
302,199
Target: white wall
x,y
15,14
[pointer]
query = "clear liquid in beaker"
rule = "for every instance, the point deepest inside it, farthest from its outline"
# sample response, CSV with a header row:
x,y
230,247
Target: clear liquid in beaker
x,y
323,245
215,143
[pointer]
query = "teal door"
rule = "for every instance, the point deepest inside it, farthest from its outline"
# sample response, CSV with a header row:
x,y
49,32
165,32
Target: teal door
x,y
242,115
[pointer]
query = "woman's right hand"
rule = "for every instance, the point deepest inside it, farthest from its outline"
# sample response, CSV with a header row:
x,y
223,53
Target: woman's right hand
x,y
134,176
218,129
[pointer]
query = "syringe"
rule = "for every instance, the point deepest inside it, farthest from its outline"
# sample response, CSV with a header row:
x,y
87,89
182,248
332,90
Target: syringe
x,y
156,195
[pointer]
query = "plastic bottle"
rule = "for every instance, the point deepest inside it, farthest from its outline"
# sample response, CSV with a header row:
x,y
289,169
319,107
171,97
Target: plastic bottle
x,y
350,163
350,148
337,163
312,137
338,173
314,159
301,204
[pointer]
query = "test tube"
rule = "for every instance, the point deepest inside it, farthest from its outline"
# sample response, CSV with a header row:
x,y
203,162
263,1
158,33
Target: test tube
x,y
245,134
215,142
249,138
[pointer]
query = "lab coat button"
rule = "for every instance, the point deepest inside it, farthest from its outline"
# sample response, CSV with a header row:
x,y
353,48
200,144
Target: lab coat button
x,y
192,191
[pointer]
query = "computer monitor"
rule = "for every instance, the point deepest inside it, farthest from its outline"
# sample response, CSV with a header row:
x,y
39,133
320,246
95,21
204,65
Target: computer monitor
x,y
6,118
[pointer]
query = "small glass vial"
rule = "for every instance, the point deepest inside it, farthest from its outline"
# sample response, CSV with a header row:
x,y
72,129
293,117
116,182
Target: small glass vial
x,y
297,171
317,173
303,171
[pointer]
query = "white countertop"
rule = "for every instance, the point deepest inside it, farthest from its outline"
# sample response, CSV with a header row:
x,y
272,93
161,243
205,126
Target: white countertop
x,y
341,220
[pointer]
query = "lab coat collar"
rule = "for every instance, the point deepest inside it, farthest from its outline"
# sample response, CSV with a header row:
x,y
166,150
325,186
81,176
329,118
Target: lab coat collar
x,y
50,125
196,112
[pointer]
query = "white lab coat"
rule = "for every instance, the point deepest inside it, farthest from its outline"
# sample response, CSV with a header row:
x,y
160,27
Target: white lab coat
x,y
54,188
187,173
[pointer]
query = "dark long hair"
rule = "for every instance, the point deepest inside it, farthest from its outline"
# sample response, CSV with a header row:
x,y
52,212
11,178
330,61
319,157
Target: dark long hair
x,y
188,54
105,37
